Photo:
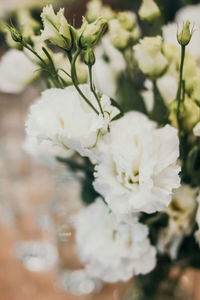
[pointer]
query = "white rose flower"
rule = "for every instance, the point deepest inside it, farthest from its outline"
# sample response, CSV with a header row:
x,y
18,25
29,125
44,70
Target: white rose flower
x,y
63,118
109,64
138,167
181,212
16,71
149,57
149,10
196,129
110,250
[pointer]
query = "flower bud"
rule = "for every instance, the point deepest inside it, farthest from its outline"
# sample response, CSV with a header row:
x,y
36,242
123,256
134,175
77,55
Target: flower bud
x,y
96,9
149,10
15,34
89,57
127,19
189,114
119,37
91,33
149,56
56,28
185,35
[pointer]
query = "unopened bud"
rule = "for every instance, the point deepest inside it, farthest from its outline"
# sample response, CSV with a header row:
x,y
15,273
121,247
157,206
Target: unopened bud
x,y
185,35
127,19
15,34
92,33
89,57
149,10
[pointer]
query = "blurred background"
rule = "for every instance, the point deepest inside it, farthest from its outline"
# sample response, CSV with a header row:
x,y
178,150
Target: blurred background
x,y
36,200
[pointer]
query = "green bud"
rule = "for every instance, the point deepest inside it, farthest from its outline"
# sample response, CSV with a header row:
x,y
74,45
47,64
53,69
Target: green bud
x,y
15,34
92,33
185,35
89,57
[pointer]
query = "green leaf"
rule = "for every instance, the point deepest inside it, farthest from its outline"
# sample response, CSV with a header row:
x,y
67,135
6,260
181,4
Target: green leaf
x,y
159,112
129,94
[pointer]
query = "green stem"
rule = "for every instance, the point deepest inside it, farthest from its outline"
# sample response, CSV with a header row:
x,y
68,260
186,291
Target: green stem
x,y
33,51
75,81
93,89
178,95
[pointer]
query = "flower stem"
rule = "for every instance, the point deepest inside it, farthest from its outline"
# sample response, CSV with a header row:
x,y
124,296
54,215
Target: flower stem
x,y
180,87
75,80
93,89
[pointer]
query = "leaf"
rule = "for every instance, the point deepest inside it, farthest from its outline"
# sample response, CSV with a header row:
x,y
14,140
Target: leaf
x,y
129,94
159,112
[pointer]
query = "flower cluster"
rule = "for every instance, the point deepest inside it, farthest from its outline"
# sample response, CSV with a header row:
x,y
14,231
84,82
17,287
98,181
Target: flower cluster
x,y
134,141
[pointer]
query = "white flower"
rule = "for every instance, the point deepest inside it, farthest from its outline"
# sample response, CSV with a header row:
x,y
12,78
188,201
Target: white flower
x,y
149,57
109,64
44,151
196,129
63,118
148,10
112,251
181,212
16,71
138,169
56,28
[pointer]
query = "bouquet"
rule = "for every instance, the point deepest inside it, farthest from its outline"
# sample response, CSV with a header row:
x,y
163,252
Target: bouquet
x,y
122,111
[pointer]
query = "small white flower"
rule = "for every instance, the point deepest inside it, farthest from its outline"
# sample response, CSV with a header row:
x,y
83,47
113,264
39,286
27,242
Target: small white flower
x,y
110,250
181,212
63,118
109,64
149,57
56,28
16,71
138,167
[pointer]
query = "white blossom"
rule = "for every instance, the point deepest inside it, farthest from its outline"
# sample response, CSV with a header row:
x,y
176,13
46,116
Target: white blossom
x,y
110,250
138,167
149,57
181,212
16,71
62,117
109,64
44,151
